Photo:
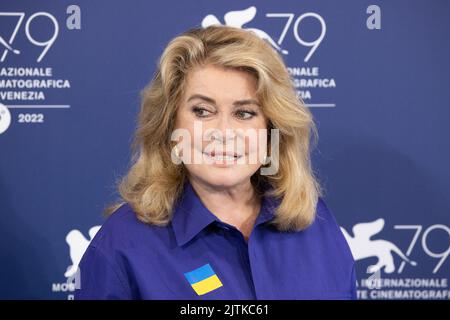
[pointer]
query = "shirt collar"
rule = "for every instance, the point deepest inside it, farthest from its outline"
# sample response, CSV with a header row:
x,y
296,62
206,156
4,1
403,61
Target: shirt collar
x,y
190,216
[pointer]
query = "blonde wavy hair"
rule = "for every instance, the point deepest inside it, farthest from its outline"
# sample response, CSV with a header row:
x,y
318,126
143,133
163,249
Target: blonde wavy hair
x,y
154,183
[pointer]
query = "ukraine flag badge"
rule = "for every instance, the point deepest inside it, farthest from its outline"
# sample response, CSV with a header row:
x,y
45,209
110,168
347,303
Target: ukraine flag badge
x,y
203,279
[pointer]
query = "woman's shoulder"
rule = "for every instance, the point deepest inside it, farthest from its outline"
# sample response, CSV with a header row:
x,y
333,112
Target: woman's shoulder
x,y
123,229
324,216
326,226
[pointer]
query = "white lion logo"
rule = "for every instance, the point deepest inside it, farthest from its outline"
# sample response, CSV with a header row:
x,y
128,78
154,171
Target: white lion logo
x,y
238,19
362,246
78,245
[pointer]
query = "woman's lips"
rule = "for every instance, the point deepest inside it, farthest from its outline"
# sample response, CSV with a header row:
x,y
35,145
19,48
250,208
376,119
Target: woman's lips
x,y
223,156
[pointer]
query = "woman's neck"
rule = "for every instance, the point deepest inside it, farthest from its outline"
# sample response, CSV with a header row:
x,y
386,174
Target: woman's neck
x,y
238,206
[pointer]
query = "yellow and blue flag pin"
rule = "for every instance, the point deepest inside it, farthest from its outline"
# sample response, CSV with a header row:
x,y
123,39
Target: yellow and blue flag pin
x,y
203,279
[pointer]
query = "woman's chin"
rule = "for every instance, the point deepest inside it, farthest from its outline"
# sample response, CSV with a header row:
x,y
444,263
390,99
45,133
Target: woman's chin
x,y
221,177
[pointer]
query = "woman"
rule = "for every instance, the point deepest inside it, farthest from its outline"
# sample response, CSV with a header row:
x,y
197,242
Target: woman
x,y
224,227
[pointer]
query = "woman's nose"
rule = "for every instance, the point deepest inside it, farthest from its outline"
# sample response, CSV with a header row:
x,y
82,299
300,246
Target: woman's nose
x,y
224,129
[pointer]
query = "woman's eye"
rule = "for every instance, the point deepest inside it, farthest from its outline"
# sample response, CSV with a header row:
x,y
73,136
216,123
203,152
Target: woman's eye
x,y
240,114
245,114
200,112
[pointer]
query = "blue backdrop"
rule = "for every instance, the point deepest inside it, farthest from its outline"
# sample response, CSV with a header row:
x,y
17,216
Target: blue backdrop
x,y
374,73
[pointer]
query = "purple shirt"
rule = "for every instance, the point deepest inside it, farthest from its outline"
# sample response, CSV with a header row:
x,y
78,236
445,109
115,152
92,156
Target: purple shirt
x,y
197,256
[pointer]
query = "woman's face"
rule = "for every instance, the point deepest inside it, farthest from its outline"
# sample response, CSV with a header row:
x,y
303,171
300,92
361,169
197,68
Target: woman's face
x,y
222,116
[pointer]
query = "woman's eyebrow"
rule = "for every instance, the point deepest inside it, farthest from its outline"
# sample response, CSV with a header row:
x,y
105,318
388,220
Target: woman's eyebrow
x,y
211,100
